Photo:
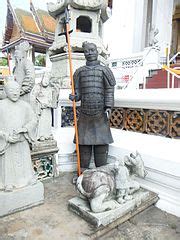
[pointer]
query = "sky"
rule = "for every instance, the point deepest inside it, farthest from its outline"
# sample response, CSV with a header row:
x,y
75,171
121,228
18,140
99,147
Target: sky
x,y
21,4
115,30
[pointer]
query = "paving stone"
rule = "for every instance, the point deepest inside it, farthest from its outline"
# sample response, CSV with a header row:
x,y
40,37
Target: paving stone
x,y
53,220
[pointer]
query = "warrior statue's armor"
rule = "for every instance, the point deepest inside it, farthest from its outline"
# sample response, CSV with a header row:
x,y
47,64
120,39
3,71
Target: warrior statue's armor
x,y
94,87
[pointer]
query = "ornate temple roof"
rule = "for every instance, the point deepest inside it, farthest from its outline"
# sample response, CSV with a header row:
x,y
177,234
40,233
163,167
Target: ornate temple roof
x,y
36,26
26,21
47,21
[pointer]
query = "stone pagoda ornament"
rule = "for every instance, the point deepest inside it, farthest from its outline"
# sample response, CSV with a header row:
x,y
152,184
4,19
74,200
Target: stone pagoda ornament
x,y
87,18
86,23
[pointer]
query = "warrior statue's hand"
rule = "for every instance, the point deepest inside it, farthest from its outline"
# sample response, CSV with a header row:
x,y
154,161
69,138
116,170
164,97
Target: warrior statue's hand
x,y
72,97
108,112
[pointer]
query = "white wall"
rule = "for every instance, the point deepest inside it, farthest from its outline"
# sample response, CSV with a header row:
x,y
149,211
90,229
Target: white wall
x,y
163,18
125,31
118,30
139,28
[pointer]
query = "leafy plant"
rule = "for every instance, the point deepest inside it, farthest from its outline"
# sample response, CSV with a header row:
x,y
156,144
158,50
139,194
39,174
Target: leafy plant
x,y
40,60
3,62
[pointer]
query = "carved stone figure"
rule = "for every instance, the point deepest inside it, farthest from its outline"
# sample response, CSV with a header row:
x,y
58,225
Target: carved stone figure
x,y
17,130
108,186
24,71
152,36
44,98
94,87
85,14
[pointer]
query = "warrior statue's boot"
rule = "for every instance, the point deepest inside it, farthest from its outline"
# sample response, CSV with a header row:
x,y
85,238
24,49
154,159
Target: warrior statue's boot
x,y
85,156
100,154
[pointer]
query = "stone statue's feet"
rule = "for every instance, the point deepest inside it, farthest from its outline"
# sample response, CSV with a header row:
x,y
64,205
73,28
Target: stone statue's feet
x,y
8,188
121,200
128,197
112,204
51,137
74,179
41,139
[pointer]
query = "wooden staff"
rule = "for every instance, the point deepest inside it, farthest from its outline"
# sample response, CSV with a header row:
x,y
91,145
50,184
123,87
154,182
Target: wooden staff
x,y
72,87
8,59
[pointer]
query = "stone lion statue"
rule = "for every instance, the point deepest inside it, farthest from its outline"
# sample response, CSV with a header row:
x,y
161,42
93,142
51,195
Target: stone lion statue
x,y
108,186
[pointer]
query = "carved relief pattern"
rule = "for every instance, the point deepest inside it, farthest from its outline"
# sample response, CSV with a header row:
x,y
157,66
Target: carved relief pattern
x,y
157,122
134,120
43,167
117,118
175,125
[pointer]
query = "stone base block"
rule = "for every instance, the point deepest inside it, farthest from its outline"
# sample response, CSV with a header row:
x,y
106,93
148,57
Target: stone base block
x,y
142,199
21,199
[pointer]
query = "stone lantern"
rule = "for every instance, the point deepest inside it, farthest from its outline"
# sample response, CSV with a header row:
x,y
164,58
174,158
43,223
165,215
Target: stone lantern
x,y
86,20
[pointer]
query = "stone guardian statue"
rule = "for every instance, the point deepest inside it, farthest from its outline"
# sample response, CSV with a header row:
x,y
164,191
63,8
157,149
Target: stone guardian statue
x,y
94,87
23,71
17,130
107,187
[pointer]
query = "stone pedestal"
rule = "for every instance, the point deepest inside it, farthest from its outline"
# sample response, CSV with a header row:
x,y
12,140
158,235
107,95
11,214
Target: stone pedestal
x,y
21,199
60,66
142,199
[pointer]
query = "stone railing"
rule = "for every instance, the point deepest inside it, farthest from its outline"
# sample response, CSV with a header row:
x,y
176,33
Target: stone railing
x,y
146,111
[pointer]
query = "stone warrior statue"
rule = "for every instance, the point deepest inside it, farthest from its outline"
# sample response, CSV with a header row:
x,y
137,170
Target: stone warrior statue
x,y
17,129
23,71
94,87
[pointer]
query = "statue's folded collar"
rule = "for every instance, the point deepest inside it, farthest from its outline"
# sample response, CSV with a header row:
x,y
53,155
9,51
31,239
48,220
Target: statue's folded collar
x,y
92,63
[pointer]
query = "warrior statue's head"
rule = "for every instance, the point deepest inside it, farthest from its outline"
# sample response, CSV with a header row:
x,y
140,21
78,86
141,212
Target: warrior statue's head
x,y
90,51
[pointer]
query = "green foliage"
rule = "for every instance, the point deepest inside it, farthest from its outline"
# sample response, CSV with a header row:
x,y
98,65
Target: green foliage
x,y
3,62
40,60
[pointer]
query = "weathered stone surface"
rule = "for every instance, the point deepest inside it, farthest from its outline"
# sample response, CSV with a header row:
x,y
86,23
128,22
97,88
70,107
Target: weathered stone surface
x,y
42,147
81,207
44,98
17,130
108,186
24,71
21,199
